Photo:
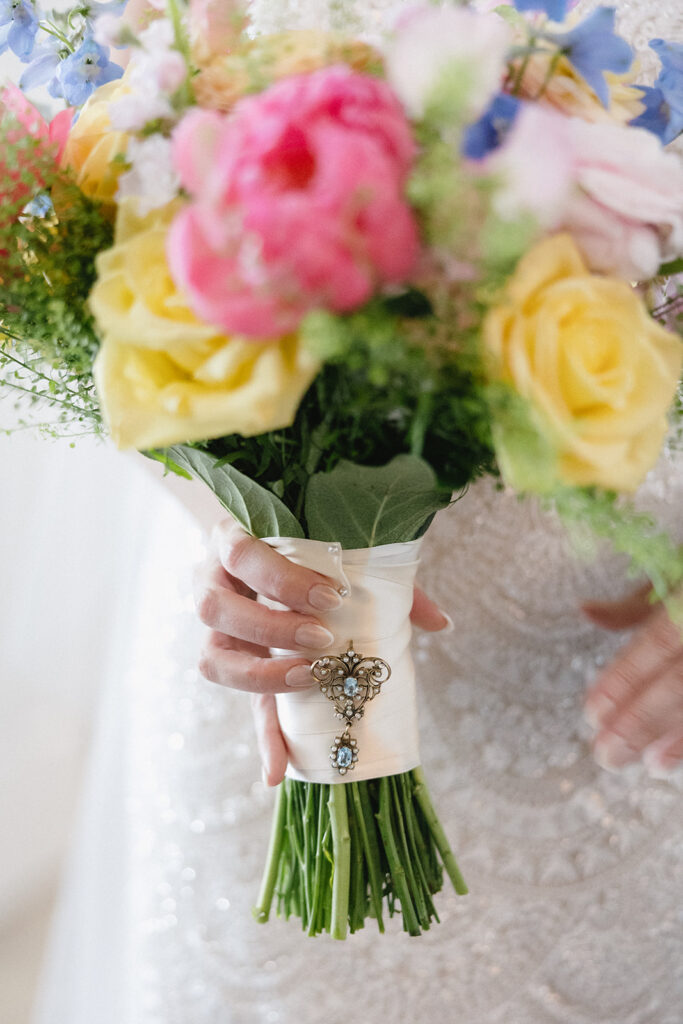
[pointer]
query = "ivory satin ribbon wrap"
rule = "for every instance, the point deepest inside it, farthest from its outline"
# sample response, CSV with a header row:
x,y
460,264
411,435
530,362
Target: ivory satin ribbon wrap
x,y
376,616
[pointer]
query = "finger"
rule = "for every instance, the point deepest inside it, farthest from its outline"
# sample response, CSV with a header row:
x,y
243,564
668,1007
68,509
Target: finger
x,y
643,658
647,718
226,612
269,573
228,666
427,615
665,755
271,742
631,611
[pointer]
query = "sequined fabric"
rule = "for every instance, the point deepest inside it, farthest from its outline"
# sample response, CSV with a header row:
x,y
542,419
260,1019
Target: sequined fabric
x,y
576,874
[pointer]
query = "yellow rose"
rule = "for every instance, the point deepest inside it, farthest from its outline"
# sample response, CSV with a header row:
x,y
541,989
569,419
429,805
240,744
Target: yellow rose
x,y
570,93
598,371
93,145
162,375
226,78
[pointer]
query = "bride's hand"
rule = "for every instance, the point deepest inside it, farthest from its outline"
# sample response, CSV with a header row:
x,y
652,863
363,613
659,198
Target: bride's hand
x,y
238,568
636,704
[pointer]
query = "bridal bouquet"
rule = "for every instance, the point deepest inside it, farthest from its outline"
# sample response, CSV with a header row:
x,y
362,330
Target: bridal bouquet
x,y
337,280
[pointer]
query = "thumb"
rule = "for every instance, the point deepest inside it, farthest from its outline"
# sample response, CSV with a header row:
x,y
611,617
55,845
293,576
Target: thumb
x,y
427,615
271,742
629,611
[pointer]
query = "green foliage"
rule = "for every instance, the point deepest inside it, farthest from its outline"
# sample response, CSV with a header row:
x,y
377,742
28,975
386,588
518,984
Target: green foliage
x,y
256,509
635,534
382,393
47,265
365,506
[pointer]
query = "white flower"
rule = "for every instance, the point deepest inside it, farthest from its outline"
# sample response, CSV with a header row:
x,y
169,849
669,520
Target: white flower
x,y
158,35
151,179
132,112
107,30
161,71
430,41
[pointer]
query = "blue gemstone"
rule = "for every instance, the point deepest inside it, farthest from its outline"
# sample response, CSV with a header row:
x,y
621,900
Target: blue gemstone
x,y
344,757
350,686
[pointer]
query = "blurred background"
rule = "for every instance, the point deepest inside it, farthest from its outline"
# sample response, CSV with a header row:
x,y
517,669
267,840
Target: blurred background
x,y
69,540
62,533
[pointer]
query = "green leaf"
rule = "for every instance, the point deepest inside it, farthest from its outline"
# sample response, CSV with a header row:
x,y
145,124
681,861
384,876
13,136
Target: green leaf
x,y
364,506
255,508
672,268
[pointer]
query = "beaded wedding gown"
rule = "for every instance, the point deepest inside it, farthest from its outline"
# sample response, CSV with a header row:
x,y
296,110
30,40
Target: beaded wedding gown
x,y
575,874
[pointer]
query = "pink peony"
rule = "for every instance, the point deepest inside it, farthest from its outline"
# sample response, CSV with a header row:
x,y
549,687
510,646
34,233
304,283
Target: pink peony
x,y
297,202
627,216
23,121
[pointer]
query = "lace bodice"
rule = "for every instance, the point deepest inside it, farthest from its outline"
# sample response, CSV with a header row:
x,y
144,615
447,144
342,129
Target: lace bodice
x,y
572,913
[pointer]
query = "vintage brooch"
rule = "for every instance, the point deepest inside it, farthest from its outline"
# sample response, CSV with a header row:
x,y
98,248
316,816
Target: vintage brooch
x,y
349,680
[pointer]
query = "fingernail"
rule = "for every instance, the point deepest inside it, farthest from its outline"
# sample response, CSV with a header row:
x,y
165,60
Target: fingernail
x,y
299,676
310,635
613,752
657,767
324,598
450,625
264,776
597,710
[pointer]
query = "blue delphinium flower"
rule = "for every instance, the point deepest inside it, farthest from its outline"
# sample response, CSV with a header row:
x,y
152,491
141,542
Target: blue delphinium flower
x,y
84,70
489,132
18,27
663,114
593,48
43,67
555,9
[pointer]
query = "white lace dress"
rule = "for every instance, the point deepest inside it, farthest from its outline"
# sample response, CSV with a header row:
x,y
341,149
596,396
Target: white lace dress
x,y
575,874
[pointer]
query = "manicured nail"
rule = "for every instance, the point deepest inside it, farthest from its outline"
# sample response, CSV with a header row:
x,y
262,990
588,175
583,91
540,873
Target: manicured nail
x,y
324,598
655,759
657,767
597,710
613,752
450,625
310,635
264,776
299,676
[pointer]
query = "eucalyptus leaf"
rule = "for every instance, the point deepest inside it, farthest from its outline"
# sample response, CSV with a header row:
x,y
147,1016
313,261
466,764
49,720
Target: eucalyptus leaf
x,y
255,508
364,506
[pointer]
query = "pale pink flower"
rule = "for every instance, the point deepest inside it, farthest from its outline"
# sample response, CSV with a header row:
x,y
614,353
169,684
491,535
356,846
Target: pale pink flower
x,y
433,41
298,202
535,167
215,26
627,216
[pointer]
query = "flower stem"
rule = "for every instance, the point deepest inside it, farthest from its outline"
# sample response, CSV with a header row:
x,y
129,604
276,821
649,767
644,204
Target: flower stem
x,y
396,867
265,899
368,833
424,800
341,839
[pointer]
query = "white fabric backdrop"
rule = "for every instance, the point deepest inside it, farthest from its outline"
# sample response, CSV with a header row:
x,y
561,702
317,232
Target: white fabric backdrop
x,y
71,525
